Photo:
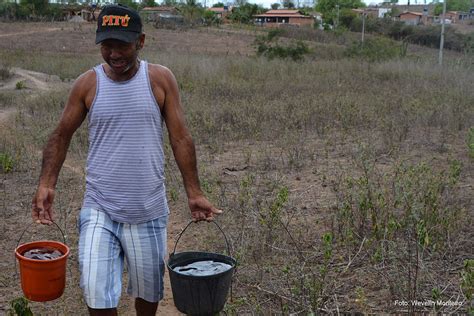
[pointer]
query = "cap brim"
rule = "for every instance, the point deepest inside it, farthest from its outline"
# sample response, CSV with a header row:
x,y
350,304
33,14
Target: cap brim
x,y
124,36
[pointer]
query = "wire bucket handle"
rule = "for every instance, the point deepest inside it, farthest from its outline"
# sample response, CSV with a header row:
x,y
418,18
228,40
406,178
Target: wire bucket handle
x,y
192,221
29,225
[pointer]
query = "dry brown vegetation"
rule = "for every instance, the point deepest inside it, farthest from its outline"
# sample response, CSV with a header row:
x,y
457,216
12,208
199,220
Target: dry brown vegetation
x,y
346,185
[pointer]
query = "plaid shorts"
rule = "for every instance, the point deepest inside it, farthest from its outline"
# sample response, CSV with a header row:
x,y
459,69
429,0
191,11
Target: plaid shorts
x,y
104,245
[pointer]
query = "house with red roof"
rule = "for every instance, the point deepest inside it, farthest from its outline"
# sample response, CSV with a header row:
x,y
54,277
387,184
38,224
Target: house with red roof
x,y
274,18
411,18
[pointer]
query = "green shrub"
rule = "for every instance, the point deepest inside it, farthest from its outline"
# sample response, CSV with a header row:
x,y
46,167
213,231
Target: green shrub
x,y
375,49
470,142
418,202
421,35
20,85
6,161
467,282
19,307
269,47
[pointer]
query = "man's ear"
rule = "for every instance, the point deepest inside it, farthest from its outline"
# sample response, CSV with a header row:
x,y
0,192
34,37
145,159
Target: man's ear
x,y
140,42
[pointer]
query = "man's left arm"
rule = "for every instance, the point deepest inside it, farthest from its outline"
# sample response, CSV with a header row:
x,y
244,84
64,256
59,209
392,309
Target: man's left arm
x,y
166,91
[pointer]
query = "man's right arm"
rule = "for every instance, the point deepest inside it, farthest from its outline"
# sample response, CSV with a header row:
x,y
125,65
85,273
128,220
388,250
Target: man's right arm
x,y
56,148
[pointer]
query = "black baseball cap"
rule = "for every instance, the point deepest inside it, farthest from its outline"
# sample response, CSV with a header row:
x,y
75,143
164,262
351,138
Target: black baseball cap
x,y
119,22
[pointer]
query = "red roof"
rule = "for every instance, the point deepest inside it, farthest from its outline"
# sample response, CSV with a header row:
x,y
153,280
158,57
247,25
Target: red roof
x,y
160,8
218,10
412,13
266,15
282,13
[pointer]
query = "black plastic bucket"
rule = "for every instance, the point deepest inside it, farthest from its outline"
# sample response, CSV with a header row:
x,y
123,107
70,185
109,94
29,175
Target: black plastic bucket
x,y
200,295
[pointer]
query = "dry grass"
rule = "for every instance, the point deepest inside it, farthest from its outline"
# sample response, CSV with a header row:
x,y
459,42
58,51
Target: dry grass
x,y
308,159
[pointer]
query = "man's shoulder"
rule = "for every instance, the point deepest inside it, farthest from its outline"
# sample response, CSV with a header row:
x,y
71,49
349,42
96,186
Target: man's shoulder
x,y
86,78
157,68
159,71
85,83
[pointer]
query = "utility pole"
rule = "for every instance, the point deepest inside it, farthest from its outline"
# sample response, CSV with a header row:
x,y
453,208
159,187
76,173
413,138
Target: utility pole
x,y
441,42
337,14
363,27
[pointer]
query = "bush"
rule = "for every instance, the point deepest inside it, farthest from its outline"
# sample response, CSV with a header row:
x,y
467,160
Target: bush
x,y
20,85
6,162
269,47
420,35
430,36
470,142
346,18
375,49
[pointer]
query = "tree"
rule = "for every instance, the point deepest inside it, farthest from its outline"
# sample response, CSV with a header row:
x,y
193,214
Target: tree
x,y
245,13
328,8
210,18
9,10
148,3
240,3
275,6
170,3
454,5
192,11
218,5
288,4
129,3
346,17
36,7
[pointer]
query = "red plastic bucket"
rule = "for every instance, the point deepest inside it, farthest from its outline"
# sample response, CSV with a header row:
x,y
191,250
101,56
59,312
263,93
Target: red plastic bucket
x,y
42,280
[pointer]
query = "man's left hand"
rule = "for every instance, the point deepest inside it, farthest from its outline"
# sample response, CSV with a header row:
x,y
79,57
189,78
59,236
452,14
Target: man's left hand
x,y
202,209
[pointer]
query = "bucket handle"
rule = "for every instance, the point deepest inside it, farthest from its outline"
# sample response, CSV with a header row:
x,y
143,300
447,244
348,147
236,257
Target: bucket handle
x,y
192,221
29,225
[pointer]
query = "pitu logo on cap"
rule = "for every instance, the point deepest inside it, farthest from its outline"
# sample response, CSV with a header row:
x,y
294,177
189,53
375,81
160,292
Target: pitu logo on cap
x,y
117,20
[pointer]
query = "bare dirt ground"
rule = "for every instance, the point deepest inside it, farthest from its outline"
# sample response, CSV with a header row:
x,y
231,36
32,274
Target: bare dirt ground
x,y
80,39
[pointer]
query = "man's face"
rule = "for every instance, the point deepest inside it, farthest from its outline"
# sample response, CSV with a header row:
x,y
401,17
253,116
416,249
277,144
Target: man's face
x,y
121,56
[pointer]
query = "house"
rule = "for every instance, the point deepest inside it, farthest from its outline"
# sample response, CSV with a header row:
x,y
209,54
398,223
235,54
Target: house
x,y
221,12
458,16
153,14
411,18
274,18
428,9
90,13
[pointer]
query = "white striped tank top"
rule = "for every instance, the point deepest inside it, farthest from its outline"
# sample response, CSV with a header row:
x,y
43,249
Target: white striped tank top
x,y
125,163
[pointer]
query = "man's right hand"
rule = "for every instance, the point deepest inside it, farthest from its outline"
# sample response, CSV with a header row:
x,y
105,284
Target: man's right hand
x,y
42,205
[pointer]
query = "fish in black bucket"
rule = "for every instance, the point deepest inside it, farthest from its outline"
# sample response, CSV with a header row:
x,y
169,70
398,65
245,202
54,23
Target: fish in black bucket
x,y
203,268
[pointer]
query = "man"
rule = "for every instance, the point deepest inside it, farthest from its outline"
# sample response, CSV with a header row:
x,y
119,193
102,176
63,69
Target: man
x,y
125,212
